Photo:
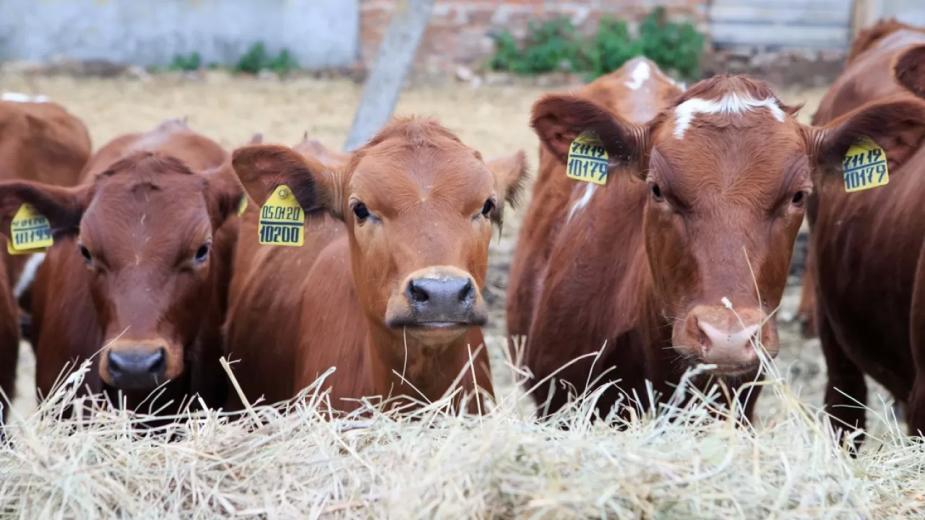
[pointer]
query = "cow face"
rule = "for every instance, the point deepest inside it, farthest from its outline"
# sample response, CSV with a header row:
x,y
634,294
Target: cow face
x,y
727,171
418,207
144,233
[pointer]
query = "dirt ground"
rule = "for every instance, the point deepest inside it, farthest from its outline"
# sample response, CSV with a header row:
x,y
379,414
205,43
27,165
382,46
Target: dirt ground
x,y
230,109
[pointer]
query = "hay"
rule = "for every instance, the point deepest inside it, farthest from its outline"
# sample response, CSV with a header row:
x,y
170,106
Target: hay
x,y
290,460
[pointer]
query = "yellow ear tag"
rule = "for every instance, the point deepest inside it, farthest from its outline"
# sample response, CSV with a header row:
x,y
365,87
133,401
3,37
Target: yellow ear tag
x,y
281,219
865,166
30,232
242,205
587,159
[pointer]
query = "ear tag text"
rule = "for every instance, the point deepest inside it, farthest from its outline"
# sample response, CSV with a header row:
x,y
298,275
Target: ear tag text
x,y
587,159
30,232
281,219
865,166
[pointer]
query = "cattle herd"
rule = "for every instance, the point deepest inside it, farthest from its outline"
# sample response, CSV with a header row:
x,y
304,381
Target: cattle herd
x,y
658,237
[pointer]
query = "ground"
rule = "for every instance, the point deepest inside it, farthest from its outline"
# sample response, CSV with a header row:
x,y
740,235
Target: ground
x,y
677,464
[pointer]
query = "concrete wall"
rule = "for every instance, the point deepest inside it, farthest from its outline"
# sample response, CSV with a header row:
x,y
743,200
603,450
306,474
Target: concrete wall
x,y
320,33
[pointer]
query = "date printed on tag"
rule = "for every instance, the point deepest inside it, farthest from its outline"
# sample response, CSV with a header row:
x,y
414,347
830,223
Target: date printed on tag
x,y
865,166
281,219
587,159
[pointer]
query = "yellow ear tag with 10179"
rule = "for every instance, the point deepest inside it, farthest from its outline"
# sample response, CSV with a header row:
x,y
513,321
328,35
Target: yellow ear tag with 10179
x,y
865,166
30,232
587,159
281,219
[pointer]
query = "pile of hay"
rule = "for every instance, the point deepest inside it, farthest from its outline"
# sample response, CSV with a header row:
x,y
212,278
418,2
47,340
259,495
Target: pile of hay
x,y
288,460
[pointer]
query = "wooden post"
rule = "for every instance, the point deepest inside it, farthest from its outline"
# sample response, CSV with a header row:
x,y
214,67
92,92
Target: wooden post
x,y
396,53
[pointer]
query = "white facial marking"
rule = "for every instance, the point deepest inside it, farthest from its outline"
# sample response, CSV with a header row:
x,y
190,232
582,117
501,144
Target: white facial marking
x,y
17,97
731,103
581,203
28,274
640,74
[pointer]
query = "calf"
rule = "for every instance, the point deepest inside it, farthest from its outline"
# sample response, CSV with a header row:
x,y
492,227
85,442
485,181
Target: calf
x,y
386,287
870,245
136,270
41,141
682,257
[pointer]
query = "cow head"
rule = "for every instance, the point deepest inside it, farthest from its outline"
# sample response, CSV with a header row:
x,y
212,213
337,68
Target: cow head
x,y
144,231
728,171
418,207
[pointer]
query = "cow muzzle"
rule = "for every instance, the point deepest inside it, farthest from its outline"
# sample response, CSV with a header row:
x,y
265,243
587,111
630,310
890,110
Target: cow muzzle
x,y
135,365
437,299
727,338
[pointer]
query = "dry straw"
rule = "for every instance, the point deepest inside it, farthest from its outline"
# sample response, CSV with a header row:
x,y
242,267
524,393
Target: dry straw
x,y
689,459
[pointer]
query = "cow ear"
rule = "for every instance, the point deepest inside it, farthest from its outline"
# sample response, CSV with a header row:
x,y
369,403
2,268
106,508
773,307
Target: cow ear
x,y
262,168
223,194
910,70
63,207
559,119
511,175
896,124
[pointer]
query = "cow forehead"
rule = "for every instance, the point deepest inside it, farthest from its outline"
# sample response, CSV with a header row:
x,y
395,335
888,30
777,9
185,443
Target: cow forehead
x,y
448,171
732,107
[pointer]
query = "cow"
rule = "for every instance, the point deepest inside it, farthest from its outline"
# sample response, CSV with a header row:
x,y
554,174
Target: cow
x,y
870,245
386,288
136,275
41,141
681,258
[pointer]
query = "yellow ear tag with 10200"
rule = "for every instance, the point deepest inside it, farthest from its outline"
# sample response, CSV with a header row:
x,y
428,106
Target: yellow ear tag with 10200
x,y
865,166
281,219
30,232
587,159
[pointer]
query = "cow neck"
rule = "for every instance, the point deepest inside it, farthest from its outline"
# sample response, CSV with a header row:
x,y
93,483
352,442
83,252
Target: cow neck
x,y
429,369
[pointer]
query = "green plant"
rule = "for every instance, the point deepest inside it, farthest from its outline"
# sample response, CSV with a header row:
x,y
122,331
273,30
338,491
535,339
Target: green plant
x,y
188,62
555,45
257,59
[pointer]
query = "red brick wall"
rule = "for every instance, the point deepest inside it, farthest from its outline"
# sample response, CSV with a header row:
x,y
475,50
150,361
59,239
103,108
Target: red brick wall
x,y
459,29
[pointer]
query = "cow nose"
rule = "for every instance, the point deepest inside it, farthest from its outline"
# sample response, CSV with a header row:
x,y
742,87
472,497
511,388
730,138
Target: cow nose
x,y
441,291
137,369
729,338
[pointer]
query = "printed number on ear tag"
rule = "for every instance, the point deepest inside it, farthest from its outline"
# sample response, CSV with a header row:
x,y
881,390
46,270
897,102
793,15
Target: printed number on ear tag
x,y
30,232
587,159
865,166
281,219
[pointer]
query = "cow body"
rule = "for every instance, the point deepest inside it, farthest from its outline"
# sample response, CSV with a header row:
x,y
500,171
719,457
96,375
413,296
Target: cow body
x,y
870,245
117,287
40,141
682,258
385,235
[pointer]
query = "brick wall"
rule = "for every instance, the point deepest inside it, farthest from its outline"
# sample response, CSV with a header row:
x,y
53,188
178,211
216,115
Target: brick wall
x,y
459,30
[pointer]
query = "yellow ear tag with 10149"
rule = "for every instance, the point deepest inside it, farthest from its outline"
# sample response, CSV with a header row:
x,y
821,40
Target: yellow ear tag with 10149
x,y
865,166
281,219
30,232
587,159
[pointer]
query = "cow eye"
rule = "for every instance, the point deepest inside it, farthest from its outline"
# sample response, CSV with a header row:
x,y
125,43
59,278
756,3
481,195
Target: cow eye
x,y
488,207
84,252
360,210
799,198
202,253
656,191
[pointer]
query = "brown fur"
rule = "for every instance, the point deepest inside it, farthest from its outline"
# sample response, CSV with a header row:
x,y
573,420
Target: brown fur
x,y
335,302
874,324
38,142
639,271
141,213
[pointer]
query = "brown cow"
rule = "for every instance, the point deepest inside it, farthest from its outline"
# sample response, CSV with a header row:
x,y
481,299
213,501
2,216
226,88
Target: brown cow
x,y
136,272
683,256
869,246
41,141
386,286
